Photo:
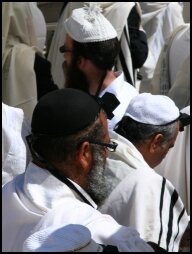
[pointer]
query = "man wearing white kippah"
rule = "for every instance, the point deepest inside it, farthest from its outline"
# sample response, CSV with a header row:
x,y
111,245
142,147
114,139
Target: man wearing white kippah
x,y
90,50
143,199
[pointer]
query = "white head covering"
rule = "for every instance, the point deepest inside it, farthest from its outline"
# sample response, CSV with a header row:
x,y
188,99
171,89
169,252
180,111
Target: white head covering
x,y
87,24
152,109
67,238
18,52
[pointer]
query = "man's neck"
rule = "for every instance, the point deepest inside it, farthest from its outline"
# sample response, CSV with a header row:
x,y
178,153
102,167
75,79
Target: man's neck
x,y
94,82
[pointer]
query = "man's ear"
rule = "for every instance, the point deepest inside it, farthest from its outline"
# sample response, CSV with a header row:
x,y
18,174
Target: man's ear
x,y
81,62
155,142
85,157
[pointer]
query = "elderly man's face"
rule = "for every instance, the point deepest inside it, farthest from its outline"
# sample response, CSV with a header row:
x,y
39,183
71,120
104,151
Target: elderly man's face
x,y
164,149
97,186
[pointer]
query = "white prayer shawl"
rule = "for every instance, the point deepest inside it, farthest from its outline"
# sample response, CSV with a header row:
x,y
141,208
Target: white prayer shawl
x,y
15,155
174,52
159,20
26,199
104,229
124,92
119,10
176,165
180,91
144,200
20,43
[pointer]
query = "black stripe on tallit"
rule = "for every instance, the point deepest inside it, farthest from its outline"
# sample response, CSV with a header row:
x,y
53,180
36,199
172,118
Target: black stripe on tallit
x,y
128,42
126,36
124,67
174,199
161,208
179,218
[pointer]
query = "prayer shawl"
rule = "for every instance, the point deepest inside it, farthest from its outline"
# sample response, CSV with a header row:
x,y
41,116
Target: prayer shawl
x,y
180,91
104,229
26,199
161,82
117,13
18,52
15,154
159,20
143,199
30,196
176,165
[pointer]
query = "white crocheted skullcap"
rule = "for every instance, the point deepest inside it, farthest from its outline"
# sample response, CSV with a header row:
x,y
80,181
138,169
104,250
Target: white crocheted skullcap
x,y
152,109
67,238
87,24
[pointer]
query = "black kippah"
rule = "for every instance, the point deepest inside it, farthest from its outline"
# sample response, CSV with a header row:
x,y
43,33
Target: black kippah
x,y
64,112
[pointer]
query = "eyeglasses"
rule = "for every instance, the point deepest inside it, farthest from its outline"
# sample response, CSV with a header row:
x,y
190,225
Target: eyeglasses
x,y
110,146
63,49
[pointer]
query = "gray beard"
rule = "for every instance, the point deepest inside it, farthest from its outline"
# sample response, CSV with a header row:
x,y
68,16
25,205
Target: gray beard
x,y
97,187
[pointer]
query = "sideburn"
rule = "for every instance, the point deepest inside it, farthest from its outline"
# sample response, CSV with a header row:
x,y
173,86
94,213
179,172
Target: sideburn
x,y
75,78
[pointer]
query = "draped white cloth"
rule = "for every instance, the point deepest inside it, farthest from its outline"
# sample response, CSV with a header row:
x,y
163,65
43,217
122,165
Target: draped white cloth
x,y
174,52
172,72
26,199
176,165
24,30
143,199
30,196
15,154
104,229
159,20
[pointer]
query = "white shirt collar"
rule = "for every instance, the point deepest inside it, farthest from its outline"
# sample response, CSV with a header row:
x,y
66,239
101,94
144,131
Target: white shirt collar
x,y
115,84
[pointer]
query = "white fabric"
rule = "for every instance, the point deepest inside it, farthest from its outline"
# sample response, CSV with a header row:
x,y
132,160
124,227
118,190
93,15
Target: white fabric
x,y
176,165
31,195
124,93
172,72
104,229
179,51
26,199
39,26
180,91
19,47
172,56
137,199
15,154
117,13
65,238
119,10
159,19
87,24
143,108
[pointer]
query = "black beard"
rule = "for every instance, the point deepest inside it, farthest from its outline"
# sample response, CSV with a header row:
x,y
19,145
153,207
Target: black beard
x,y
75,78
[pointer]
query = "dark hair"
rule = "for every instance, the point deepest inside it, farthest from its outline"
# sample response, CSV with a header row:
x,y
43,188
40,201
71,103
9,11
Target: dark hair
x,y
137,132
59,149
103,54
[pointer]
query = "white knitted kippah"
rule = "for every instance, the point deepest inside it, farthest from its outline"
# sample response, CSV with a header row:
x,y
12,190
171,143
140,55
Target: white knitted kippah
x,y
67,238
87,24
152,109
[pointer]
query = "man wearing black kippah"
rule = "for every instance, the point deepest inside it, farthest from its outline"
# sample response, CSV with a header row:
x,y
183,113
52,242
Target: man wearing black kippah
x,y
69,145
